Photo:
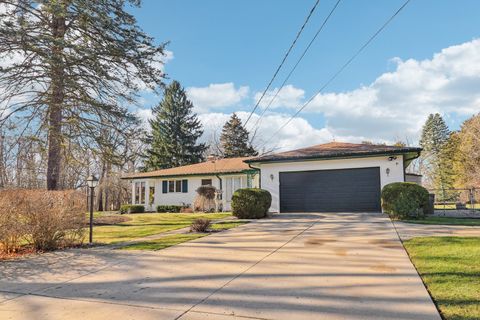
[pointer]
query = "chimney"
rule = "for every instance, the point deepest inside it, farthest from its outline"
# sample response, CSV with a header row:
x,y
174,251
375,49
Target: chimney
x,y
211,157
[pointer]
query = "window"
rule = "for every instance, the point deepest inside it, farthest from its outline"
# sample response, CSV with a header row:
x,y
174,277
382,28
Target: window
x,y
171,186
206,182
142,192
137,192
232,185
151,198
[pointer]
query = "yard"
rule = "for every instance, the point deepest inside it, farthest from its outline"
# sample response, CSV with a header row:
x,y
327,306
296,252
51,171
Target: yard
x,y
449,267
145,224
446,221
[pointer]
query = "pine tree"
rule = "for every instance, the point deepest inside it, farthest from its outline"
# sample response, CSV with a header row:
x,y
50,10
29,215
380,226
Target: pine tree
x,y
434,140
435,134
234,140
175,131
67,68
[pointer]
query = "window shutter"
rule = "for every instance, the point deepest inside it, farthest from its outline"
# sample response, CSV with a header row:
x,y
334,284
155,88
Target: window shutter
x,y
185,186
164,186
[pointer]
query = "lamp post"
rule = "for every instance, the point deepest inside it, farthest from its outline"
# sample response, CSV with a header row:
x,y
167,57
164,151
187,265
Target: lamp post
x,y
92,182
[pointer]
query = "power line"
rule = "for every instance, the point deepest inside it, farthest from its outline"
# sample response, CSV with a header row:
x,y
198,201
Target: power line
x,y
283,60
297,63
339,71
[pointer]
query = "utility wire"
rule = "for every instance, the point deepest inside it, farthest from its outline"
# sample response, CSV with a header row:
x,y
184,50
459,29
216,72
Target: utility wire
x,y
339,71
297,63
283,60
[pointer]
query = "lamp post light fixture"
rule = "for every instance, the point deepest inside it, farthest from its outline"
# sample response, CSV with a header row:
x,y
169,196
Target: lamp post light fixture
x,y
92,182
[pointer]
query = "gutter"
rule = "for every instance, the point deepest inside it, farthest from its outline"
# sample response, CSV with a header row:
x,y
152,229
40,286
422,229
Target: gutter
x,y
334,157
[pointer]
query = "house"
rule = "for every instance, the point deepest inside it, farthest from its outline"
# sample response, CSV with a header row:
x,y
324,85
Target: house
x,y
332,177
177,186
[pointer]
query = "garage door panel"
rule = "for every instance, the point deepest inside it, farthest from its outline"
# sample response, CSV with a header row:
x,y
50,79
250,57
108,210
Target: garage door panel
x,y
330,190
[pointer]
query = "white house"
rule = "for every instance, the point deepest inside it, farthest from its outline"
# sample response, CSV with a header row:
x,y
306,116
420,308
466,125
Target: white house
x,y
177,186
331,177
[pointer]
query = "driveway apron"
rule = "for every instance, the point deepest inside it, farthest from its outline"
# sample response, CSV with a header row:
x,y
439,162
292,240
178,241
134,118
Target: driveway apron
x,y
295,266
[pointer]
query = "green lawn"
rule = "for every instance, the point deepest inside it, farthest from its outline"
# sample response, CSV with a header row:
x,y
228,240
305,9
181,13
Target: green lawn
x,y
446,221
164,242
451,206
450,268
145,224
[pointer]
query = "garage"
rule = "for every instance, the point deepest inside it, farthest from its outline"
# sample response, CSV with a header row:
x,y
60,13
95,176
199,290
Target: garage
x,y
341,190
332,177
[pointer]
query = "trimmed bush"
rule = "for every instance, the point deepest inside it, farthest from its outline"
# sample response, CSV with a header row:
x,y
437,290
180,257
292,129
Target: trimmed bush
x,y
251,203
200,225
403,200
132,208
169,208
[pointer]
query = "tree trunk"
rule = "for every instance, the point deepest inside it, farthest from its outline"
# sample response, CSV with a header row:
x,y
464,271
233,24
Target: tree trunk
x,y
56,104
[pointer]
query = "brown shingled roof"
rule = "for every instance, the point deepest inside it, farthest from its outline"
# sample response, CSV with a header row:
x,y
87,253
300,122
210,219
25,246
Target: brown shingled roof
x,y
230,165
335,150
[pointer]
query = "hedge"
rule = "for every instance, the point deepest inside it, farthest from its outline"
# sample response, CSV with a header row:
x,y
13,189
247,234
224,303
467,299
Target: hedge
x,y
169,208
132,208
251,203
405,200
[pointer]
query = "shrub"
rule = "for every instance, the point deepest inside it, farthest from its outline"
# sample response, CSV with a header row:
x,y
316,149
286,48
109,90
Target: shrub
x,y
12,228
45,219
251,203
405,200
205,199
132,208
169,208
200,225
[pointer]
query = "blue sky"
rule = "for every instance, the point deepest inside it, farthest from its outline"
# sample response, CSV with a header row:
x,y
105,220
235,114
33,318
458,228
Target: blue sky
x,y
224,53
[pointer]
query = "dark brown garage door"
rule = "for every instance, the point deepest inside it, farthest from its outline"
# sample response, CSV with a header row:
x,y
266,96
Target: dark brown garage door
x,y
343,190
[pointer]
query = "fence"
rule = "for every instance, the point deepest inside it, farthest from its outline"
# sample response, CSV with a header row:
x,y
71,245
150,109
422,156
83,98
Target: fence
x,y
460,200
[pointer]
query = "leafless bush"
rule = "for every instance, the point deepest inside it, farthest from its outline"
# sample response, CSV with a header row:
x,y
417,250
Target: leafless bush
x,y
205,199
46,219
12,227
200,225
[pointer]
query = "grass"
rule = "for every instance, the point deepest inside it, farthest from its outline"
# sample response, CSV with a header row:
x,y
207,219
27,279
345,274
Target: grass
x,y
450,268
446,221
145,224
453,206
224,225
175,239
164,242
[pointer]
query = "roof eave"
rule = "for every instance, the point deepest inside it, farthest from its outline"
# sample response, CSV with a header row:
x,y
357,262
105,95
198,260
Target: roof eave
x,y
339,156
245,171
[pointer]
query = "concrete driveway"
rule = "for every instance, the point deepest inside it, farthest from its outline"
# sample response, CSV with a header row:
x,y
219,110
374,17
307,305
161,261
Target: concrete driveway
x,y
298,266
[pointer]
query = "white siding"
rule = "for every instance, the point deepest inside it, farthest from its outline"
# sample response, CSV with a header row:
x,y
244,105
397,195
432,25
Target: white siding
x,y
180,198
270,171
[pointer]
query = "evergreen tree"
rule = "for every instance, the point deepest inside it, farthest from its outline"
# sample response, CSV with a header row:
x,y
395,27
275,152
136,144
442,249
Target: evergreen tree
x,y
435,134
67,68
434,138
175,131
235,140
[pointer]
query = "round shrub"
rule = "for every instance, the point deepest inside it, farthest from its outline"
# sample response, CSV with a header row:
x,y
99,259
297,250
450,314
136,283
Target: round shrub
x,y
251,203
405,200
